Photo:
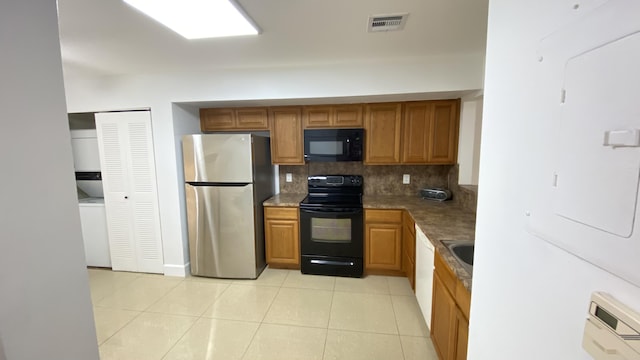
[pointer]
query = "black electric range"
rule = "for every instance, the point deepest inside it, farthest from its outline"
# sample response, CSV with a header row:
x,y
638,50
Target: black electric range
x,y
331,226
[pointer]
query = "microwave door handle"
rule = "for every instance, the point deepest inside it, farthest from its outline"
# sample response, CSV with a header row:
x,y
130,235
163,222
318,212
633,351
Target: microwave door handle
x,y
348,145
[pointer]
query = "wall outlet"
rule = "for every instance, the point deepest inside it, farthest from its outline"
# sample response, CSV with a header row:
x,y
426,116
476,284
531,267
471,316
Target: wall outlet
x,y
289,177
406,179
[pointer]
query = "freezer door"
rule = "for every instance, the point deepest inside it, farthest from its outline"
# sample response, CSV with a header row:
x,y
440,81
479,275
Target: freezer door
x,y
221,231
217,158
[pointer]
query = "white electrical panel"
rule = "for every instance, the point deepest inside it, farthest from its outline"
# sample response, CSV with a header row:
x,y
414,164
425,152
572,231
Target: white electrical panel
x,y
612,329
584,196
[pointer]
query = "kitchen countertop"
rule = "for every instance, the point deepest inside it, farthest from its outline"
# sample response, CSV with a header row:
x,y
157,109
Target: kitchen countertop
x,y
284,200
437,220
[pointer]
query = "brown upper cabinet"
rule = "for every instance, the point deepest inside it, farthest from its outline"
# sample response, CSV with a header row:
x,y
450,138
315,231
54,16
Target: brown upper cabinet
x,y
230,119
430,132
332,116
444,132
286,135
417,132
382,138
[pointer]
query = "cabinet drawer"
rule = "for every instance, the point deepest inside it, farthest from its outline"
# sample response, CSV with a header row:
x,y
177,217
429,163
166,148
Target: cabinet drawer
x,y
383,216
281,213
447,277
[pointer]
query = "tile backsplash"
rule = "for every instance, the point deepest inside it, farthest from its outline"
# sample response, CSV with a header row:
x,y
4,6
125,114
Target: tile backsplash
x,y
378,179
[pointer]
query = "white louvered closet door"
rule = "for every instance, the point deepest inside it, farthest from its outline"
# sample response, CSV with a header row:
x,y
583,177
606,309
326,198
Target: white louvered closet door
x,y
128,169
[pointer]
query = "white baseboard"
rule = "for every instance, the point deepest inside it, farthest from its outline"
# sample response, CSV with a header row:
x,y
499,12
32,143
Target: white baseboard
x,y
177,270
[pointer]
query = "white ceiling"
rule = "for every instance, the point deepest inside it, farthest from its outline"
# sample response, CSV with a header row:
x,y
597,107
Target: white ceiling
x,y
112,37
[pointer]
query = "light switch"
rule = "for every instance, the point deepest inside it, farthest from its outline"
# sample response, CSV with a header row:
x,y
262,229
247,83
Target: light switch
x,y
289,177
406,179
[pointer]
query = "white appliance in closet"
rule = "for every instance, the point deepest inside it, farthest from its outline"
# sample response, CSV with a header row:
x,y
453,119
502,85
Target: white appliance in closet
x,y
130,194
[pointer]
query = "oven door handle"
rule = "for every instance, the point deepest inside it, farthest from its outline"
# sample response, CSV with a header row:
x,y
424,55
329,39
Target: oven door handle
x,y
332,262
333,210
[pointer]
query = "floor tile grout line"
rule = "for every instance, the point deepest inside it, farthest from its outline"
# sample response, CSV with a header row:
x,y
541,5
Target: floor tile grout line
x,y
116,288
122,327
214,301
244,353
273,300
182,336
131,283
163,295
250,341
395,317
326,337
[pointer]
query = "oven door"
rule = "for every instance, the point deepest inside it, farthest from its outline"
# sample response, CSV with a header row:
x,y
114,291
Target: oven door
x,y
331,232
331,241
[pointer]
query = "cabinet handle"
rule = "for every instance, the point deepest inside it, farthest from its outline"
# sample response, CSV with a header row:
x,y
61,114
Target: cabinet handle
x,y
126,197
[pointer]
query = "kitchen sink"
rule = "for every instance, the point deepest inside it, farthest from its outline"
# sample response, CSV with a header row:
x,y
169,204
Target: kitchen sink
x,y
462,251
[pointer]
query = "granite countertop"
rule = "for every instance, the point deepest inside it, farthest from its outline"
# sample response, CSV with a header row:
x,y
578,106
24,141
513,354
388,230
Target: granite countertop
x,y
437,220
284,200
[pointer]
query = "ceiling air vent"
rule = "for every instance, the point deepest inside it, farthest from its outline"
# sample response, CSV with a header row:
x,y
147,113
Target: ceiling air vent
x,y
387,22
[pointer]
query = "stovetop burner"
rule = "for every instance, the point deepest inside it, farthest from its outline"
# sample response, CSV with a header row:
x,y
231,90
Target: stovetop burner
x,y
331,191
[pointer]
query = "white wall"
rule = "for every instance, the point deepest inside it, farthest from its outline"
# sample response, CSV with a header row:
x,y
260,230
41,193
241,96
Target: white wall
x,y
469,140
87,93
529,298
45,308
186,121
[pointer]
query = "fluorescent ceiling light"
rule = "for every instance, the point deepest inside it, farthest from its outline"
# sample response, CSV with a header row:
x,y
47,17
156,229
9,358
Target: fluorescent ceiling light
x,y
197,19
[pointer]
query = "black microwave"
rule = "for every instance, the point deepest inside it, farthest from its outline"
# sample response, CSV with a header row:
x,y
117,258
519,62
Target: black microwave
x,y
333,144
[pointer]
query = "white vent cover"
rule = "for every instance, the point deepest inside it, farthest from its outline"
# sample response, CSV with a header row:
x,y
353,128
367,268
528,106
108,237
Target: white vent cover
x,y
390,22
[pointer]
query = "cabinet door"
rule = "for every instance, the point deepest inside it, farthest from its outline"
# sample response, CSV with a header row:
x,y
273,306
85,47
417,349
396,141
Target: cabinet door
x,y
411,271
382,125
347,116
217,119
252,119
443,317
444,132
286,136
408,249
383,247
316,116
462,336
282,242
416,121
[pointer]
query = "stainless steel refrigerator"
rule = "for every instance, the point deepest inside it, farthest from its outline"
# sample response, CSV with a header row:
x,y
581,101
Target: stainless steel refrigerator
x,y
227,177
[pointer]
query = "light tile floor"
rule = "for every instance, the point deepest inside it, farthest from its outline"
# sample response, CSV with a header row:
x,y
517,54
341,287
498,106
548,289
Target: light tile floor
x,y
281,315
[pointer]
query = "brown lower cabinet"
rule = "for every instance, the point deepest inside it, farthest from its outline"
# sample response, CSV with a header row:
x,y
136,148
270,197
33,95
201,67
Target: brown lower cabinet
x,y
383,241
409,248
281,232
450,313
